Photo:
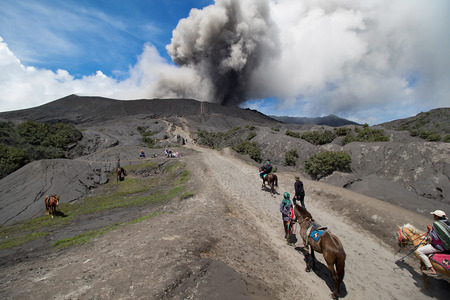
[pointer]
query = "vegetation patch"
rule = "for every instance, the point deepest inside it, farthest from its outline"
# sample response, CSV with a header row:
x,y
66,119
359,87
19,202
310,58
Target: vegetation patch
x,y
293,133
237,138
319,137
146,136
29,141
366,135
290,158
136,190
326,162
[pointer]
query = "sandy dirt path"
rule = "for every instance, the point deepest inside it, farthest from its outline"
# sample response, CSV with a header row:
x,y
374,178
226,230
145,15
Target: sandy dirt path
x,y
226,242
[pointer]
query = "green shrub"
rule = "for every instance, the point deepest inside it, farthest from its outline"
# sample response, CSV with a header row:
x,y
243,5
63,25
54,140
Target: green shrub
x,y
292,133
319,138
342,131
290,157
31,141
365,135
325,163
250,148
275,129
430,136
446,139
146,136
230,138
251,135
11,159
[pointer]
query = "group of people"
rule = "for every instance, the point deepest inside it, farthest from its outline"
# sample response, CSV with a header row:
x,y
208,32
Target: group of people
x,y
170,153
287,207
439,231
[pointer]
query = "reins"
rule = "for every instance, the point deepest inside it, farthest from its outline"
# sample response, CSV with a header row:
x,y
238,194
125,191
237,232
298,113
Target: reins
x,y
415,248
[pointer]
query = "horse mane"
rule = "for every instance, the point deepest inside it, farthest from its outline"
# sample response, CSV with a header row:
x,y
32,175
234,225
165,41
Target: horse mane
x,y
413,229
303,212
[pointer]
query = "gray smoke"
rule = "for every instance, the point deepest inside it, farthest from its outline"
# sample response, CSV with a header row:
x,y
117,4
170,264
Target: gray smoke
x,y
218,49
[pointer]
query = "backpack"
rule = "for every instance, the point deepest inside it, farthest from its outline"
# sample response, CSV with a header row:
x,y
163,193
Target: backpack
x,y
443,231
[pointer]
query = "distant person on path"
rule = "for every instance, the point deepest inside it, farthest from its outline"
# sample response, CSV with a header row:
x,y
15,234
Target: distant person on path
x,y
266,169
142,154
285,209
440,240
299,192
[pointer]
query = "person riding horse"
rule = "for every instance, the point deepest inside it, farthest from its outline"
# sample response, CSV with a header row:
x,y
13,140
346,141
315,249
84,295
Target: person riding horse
x,y
266,169
438,232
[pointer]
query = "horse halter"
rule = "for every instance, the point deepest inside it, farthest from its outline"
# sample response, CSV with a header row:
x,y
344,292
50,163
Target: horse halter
x,y
402,238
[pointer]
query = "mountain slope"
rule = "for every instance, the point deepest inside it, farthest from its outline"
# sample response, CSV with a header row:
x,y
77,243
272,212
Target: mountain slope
x,y
77,110
330,120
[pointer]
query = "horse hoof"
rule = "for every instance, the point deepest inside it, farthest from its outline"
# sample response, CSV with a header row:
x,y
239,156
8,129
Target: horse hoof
x,y
308,270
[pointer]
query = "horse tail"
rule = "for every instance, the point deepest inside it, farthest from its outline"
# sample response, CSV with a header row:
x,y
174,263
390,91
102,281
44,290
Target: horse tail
x,y
276,180
340,260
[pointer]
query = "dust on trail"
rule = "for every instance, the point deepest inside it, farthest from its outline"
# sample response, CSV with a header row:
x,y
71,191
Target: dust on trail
x,y
226,242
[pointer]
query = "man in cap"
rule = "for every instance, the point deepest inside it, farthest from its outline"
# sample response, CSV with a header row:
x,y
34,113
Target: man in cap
x,y
437,232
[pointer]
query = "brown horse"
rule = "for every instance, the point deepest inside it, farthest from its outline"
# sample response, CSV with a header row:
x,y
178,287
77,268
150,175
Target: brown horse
x,y
272,181
408,233
120,173
329,245
50,204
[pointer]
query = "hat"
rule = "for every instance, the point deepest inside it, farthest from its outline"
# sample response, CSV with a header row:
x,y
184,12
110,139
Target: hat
x,y
297,178
438,213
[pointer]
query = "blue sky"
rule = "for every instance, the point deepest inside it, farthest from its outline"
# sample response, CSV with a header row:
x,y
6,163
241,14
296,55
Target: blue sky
x,y
369,61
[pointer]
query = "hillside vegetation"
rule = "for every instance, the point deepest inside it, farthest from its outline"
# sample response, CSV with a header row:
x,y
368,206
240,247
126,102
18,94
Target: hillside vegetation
x,y
29,141
432,126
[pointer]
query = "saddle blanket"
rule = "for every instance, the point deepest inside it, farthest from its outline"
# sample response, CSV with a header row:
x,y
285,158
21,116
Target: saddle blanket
x,y
315,234
442,259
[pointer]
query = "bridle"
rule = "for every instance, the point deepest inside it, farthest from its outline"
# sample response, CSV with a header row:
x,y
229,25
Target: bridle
x,y
403,240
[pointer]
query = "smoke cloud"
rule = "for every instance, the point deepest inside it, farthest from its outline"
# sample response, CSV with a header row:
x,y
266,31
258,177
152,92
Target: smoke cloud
x,y
317,56
222,45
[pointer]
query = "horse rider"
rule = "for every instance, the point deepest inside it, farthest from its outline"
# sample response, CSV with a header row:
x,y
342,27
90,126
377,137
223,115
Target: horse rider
x,y
266,169
437,231
285,209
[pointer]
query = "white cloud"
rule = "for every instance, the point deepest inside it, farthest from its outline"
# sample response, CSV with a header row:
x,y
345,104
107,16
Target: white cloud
x,y
25,87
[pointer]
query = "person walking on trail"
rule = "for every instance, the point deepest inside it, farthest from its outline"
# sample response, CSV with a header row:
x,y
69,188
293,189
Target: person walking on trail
x,y
285,209
439,232
299,192
266,169
142,154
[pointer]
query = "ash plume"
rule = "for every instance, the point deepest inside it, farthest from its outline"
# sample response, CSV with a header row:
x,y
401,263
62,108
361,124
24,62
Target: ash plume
x,y
218,49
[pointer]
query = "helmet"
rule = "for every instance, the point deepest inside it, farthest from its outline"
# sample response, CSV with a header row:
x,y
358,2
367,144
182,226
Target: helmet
x,y
286,195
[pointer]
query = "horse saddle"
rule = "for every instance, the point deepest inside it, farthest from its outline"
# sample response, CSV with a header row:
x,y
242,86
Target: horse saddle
x,y
315,231
442,258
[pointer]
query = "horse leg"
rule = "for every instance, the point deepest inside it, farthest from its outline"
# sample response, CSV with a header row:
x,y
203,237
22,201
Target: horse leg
x,y
336,283
306,248
46,205
313,259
